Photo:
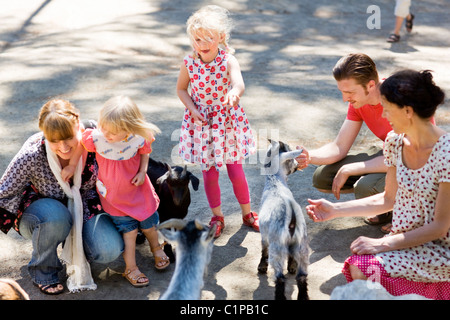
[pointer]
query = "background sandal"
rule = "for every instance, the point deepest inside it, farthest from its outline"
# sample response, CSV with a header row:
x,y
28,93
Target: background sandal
x,y
409,23
393,38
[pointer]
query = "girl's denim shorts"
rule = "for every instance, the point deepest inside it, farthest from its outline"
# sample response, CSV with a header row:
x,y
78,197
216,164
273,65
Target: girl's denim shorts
x,y
127,224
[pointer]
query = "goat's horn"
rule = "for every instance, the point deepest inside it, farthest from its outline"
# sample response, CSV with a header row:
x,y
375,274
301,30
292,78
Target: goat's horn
x,y
173,223
198,225
184,170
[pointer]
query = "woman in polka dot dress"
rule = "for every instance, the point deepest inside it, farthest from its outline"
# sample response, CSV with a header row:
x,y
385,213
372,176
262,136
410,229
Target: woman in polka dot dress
x,y
215,131
415,257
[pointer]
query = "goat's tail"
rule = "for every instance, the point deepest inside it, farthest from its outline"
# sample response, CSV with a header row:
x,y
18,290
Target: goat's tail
x,y
292,224
296,218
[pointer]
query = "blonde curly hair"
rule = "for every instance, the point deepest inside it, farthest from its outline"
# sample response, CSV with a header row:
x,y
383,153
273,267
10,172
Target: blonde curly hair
x,y
211,20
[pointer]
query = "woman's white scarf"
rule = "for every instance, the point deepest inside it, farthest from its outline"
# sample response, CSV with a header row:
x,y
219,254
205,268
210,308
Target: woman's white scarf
x,y
77,267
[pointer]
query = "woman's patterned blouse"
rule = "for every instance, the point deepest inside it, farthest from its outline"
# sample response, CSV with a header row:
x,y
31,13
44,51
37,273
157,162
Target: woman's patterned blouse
x,y
28,178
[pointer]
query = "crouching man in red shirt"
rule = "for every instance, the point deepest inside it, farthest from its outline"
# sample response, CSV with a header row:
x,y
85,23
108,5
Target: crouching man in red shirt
x,y
360,172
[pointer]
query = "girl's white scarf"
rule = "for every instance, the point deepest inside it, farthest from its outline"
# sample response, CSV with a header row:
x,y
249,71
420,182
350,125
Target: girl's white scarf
x,y
77,267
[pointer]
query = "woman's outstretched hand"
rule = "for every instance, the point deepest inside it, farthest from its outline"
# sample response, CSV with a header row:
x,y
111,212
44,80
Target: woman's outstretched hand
x,y
320,210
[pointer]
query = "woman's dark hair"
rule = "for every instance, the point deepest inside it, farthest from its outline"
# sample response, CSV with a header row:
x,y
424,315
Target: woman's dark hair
x,y
415,89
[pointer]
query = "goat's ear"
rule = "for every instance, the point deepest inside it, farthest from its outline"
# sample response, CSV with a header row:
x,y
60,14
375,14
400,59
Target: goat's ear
x,y
194,180
211,232
163,178
169,234
290,155
282,145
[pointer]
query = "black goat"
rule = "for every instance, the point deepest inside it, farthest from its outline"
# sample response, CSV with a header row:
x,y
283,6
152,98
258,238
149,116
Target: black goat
x,y
172,186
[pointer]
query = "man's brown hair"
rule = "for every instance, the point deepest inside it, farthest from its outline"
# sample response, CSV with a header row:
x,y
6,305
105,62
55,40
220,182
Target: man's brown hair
x,y
358,66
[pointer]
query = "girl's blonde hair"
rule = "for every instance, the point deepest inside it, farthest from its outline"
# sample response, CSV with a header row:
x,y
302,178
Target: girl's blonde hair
x,y
58,119
122,114
211,19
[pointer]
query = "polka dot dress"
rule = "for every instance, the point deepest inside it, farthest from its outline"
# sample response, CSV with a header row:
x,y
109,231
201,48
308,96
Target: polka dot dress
x,y
374,271
227,136
424,269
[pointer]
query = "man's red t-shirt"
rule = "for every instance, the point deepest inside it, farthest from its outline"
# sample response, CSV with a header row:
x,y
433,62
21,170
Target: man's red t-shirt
x,y
372,116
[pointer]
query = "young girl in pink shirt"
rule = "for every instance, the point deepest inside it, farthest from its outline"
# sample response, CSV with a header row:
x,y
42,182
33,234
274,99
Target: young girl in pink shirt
x,y
122,145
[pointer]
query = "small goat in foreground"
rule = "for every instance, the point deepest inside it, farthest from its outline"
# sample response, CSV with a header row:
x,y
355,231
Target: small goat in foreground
x,y
281,222
194,246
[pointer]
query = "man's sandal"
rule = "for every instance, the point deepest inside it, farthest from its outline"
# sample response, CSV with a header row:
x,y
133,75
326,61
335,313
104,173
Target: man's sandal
x,y
379,219
409,23
393,38
158,259
136,280
386,228
220,223
46,288
247,220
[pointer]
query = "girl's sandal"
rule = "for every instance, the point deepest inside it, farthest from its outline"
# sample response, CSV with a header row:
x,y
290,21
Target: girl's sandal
x,y
220,225
136,281
158,259
247,220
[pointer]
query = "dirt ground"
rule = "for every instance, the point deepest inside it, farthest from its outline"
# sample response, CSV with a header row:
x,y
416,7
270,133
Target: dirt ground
x,y
88,51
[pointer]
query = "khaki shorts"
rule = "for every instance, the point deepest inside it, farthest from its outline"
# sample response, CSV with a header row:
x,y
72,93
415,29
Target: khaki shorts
x,y
363,186
402,8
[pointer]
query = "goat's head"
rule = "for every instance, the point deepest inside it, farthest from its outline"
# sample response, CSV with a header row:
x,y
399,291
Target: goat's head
x,y
177,179
280,159
188,234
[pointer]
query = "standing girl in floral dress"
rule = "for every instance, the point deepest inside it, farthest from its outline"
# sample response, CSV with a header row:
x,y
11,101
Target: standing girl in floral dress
x,y
215,131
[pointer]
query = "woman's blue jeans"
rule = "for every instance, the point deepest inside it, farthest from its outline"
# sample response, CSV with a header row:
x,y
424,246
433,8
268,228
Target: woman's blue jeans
x,y
47,223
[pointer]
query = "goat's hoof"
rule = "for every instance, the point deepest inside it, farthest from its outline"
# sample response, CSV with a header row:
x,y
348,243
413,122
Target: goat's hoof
x,y
140,238
262,268
303,298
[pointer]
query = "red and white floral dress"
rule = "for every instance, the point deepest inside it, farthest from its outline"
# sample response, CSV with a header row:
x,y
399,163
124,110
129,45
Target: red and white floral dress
x,y
425,269
227,136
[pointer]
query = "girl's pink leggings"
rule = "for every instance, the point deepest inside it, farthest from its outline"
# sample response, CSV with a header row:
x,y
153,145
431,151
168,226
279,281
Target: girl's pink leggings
x,y
237,178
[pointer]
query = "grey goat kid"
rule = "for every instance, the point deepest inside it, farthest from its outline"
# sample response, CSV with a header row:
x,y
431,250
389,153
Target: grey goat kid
x,y
194,246
281,222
